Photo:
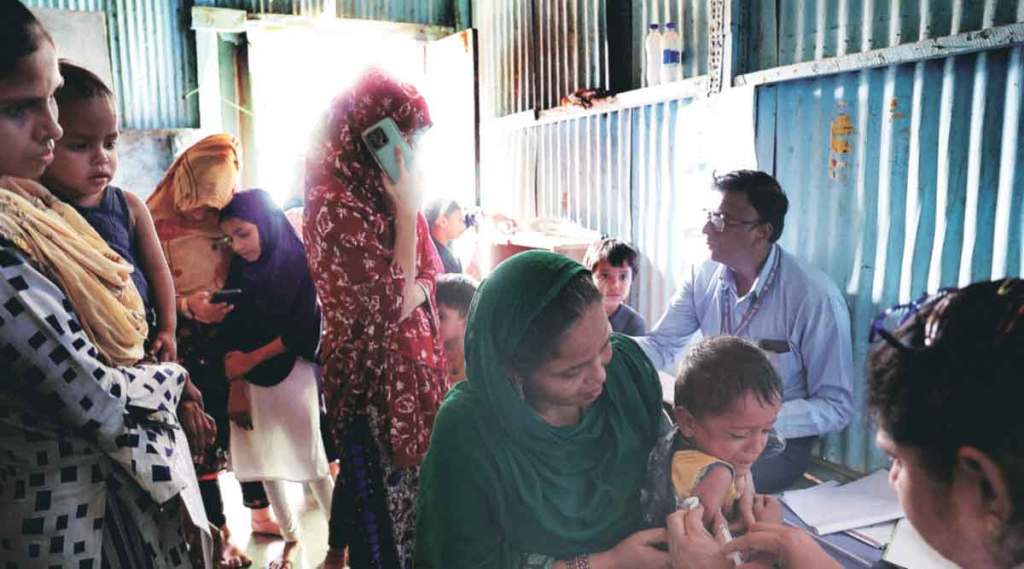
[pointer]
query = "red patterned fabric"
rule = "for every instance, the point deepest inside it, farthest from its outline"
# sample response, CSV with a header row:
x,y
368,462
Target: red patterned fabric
x,y
370,358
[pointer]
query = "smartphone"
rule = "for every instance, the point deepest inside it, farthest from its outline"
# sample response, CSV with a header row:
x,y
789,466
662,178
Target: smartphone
x,y
228,295
381,139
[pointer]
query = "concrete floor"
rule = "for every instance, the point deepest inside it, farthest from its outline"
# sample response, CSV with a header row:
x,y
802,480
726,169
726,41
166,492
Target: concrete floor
x,y
263,548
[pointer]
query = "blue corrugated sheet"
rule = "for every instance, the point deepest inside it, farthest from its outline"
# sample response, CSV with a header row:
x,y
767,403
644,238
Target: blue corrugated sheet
x,y
534,53
152,57
585,170
434,12
507,57
902,179
816,29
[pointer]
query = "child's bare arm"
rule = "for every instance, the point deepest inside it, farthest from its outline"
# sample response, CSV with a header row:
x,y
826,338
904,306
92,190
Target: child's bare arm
x,y
712,490
158,274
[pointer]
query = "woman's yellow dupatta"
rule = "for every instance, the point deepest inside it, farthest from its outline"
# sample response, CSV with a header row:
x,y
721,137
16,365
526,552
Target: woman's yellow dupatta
x,y
66,248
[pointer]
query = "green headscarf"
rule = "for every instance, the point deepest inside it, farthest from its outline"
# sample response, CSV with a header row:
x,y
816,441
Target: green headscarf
x,y
498,482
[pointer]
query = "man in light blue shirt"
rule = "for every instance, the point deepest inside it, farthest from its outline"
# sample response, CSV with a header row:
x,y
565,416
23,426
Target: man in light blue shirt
x,y
754,289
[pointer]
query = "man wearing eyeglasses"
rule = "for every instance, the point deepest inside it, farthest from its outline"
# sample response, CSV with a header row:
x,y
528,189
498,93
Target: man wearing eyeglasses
x,y
754,289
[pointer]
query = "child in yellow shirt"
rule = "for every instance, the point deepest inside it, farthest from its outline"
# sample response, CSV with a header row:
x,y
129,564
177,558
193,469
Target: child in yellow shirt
x,y
727,397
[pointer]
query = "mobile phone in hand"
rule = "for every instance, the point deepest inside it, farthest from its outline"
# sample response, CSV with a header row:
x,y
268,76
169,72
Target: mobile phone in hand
x,y
229,295
381,139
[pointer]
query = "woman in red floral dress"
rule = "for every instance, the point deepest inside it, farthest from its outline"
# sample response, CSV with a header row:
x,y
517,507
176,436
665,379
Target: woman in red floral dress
x,y
374,265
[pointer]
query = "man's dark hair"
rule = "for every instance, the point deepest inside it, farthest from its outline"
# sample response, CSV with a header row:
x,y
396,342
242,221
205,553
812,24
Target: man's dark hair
x,y
20,35
964,389
545,332
764,193
80,84
616,253
436,208
456,290
719,371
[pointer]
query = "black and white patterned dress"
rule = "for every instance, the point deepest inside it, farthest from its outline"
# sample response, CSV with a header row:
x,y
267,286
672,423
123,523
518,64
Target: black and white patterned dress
x,y
92,458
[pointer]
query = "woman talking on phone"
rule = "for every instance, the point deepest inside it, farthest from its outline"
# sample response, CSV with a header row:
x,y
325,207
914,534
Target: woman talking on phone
x,y
374,266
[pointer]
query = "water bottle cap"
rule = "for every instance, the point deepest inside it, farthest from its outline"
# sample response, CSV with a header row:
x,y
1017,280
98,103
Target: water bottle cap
x,y
652,27
670,25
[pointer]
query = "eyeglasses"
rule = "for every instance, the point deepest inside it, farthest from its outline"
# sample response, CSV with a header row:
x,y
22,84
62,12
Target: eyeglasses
x,y
720,221
892,319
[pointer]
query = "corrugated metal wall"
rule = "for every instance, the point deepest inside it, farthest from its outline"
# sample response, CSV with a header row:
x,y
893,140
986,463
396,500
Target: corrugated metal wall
x,y
507,56
584,172
435,12
901,179
534,52
666,222
816,29
152,57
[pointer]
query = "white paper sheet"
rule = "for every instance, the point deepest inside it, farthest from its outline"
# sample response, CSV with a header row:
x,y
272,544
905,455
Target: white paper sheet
x,y
828,509
908,549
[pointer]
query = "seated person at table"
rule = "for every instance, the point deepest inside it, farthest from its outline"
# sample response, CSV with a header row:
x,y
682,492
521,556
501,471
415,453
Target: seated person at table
x,y
727,397
454,295
613,266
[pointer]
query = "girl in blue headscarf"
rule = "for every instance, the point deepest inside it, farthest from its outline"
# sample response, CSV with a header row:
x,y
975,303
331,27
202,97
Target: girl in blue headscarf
x,y
272,334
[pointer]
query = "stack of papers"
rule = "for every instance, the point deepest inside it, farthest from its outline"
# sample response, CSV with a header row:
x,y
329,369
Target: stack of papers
x,y
830,508
869,510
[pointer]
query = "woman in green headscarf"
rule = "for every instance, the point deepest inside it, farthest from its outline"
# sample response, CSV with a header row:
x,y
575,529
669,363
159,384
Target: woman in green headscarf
x,y
537,460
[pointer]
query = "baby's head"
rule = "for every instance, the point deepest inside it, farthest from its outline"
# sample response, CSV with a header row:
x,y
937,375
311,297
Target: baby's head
x,y
85,159
454,295
727,397
613,264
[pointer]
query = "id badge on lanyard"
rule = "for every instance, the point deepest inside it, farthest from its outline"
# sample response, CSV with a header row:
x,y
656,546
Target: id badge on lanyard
x,y
752,310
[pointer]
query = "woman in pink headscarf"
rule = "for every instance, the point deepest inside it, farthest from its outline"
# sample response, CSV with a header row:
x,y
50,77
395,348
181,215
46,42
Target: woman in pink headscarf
x,y
373,265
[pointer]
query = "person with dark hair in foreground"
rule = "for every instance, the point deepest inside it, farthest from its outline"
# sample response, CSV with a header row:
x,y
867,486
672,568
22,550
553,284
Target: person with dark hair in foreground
x,y
944,387
754,289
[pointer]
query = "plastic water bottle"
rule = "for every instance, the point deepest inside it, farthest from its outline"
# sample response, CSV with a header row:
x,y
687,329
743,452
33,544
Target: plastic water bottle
x,y
652,49
672,55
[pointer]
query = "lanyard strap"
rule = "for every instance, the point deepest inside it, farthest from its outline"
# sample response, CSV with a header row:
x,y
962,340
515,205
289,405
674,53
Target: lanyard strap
x,y
726,303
